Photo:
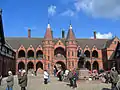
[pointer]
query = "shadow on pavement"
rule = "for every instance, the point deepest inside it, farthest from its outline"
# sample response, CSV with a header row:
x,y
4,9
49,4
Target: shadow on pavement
x,y
106,89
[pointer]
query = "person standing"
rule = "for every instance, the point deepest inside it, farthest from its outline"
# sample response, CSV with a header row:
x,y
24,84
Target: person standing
x,y
23,80
114,77
74,79
19,76
46,76
10,81
70,75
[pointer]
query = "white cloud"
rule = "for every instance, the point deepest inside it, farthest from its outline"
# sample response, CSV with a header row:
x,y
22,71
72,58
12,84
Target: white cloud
x,y
68,13
51,10
99,8
103,36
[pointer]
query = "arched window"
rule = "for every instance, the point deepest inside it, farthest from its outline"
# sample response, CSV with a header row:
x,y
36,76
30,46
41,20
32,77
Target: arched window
x,y
30,54
21,53
87,53
72,53
95,54
39,54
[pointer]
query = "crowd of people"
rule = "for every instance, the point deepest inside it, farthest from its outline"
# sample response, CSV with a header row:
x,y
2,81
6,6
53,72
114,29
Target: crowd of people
x,y
67,75
70,76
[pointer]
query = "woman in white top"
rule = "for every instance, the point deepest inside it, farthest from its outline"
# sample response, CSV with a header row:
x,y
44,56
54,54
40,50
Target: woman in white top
x,y
46,76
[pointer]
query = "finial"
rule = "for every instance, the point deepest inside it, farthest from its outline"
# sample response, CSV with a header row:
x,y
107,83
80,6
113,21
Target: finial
x,y
70,25
48,23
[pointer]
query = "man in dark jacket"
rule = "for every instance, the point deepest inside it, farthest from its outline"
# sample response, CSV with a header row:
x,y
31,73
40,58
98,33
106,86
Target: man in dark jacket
x,y
10,81
70,75
114,77
23,80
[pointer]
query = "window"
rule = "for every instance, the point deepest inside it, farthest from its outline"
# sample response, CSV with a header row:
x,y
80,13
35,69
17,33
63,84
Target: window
x,y
59,43
48,57
73,64
72,53
69,63
68,53
115,42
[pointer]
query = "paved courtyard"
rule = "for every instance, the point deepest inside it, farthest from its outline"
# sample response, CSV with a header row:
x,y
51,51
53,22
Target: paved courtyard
x,y
36,83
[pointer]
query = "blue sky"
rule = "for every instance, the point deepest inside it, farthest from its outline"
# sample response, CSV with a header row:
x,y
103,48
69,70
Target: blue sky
x,y
86,16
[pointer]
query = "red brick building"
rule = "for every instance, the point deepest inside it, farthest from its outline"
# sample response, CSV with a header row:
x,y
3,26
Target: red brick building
x,y
46,52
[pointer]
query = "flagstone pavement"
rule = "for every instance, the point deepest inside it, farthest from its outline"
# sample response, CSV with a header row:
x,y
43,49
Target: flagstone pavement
x,y
36,83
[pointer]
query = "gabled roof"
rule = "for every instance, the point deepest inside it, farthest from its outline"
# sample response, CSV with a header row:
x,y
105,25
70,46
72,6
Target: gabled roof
x,y
99,43
16,42
114,54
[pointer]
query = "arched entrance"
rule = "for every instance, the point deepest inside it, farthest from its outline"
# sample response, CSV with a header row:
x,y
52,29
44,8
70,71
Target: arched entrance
x,y
88,65
21,53
39,65
21,65
30,65
95,65
60,65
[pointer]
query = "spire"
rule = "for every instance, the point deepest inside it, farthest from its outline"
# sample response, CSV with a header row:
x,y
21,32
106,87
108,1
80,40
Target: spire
x,y
48,34
70,35
2,40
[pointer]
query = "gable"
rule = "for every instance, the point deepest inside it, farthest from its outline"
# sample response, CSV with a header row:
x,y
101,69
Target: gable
x,y
59,44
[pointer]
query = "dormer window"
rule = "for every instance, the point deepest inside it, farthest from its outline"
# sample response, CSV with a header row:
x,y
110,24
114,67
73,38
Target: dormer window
x,y
115,42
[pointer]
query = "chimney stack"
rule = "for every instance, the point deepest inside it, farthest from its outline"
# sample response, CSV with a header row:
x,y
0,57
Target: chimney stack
x,y
29,33
63,34
94,34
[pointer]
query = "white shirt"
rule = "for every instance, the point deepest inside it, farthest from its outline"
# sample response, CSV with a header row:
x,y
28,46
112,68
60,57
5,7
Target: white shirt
x,y
46,75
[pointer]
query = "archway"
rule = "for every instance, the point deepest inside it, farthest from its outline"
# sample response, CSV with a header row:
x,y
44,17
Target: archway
x,y
88,65
95,54
87,53
30,54
60,65
39,54
95,65
59,52
30,65
21,53
21,65
39,65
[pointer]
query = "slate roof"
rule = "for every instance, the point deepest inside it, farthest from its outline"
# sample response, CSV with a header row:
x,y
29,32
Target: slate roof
x,y
70,35
16,42
99,43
